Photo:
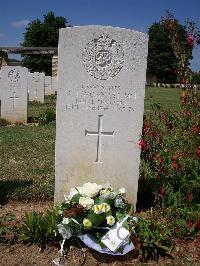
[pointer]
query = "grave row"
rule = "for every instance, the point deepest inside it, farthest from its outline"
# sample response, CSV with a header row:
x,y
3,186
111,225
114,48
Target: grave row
x,y
100,104
173,85
17,87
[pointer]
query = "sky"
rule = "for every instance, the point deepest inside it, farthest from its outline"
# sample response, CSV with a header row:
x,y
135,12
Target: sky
x,y
133,14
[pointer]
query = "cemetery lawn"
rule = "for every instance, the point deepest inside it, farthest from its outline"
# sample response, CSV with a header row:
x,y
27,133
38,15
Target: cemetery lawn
x,y
27,174
27,152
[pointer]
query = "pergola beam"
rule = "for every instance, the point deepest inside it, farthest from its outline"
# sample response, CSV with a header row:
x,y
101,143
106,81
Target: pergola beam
x,y
30,50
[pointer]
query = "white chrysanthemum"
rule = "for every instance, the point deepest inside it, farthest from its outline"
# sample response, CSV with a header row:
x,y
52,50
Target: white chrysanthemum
x,y
110,220
101,208
90,190
86,202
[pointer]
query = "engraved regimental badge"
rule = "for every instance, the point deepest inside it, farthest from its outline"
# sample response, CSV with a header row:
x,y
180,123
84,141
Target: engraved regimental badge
x,y
103,57
14,75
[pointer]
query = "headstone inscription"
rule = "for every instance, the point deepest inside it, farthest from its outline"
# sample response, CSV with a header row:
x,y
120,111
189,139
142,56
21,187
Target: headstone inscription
x,y
36,87
101,86
14,83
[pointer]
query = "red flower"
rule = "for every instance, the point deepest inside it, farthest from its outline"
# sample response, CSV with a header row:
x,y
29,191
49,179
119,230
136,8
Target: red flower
x,y
142,144
189,197
175,165
191,40
158,177
190,223
182,168
162,192
196,130
198,152
169,125
197,225
161,160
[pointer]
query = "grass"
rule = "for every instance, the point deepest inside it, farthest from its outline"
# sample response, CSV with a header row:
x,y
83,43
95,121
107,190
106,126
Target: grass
x,y
167,97
27,152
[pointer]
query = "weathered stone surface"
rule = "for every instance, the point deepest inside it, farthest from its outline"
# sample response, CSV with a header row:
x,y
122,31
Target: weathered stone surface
x,y
14,94
36,87
101,86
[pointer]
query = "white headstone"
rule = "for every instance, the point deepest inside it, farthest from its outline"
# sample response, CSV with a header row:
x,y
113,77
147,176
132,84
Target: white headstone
x,y
101,87
55,83
48,86
36,87
14,83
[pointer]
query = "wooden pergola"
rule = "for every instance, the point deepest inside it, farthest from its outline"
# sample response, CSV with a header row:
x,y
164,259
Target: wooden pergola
x,y
30,50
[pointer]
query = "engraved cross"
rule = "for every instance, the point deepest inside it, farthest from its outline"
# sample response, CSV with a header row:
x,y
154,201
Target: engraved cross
x,y
100,134
14,98
36,93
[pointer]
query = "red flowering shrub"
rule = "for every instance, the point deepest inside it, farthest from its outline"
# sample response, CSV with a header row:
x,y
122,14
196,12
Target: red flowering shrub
x,y
170,165
171,153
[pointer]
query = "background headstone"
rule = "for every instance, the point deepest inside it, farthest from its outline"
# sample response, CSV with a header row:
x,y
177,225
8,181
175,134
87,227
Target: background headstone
x,y
14,82
48,86
36,87
101,87
54,66
54,83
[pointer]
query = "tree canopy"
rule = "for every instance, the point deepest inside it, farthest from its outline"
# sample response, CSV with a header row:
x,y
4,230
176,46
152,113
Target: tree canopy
x,y
169,49
42,34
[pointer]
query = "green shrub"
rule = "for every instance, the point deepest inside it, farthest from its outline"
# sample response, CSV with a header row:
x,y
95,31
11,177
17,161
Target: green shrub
x,y
154,238
170,152
5,223
39,228
49,115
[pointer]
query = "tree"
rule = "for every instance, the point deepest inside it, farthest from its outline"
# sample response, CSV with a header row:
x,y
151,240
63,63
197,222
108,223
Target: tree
x,y
42,34
161,59
196,78
170,50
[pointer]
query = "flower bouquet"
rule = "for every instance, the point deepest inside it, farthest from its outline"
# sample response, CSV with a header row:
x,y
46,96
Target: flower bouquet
x,y
99,216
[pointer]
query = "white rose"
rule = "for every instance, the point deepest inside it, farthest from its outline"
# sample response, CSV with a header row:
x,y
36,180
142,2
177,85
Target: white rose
x,y
90,190
122,191
100,187
72,193
65,221
80,190
86,202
